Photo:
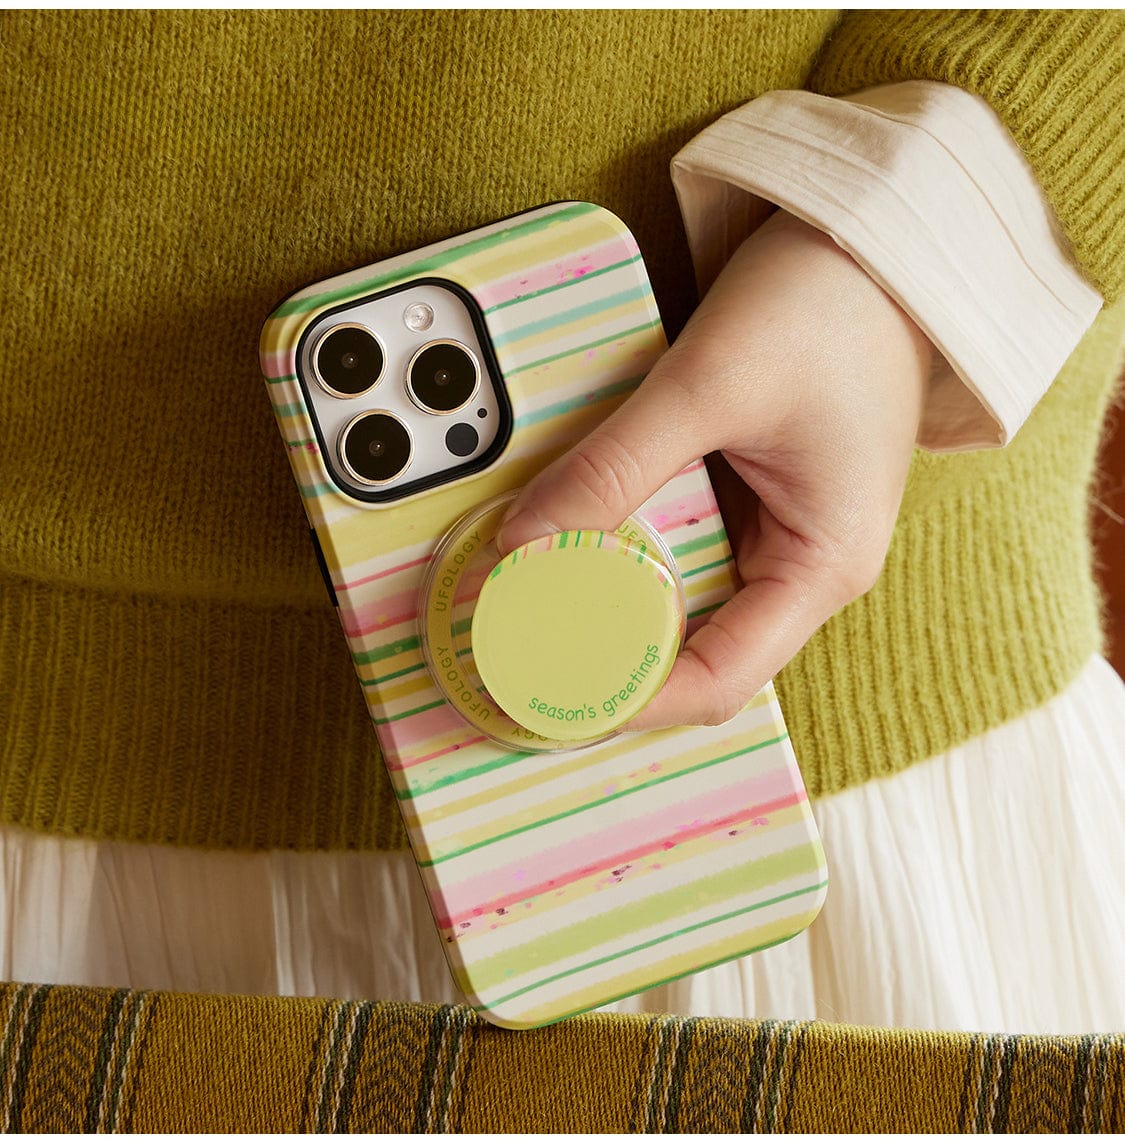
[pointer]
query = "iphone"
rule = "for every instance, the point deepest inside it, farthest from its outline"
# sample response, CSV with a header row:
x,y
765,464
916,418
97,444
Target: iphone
x,y
564,869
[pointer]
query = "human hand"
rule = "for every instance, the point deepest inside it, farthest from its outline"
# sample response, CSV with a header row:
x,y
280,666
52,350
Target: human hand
x,y
809,380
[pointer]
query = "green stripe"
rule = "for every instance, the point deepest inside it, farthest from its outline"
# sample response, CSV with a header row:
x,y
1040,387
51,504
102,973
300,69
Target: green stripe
x,y
408,713
1082,1059
330,1068
603,800
770,1123
459,1022
570,315
351,1068
118,1078
597,924
791,1088
756,1078
668,1026
24,1052
381,653
679,1065
391,676
281,379
983,1098
101,1060
706,609
464,774
129,1109
19,1000
520,228
563,284
309,1111
1101,1085
316,490
583,348
706,567
1004,1092
708,540
966,1087
618,388
426,1089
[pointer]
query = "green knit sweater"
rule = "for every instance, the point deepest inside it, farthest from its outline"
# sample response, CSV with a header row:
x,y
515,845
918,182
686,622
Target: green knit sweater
x,y
170,669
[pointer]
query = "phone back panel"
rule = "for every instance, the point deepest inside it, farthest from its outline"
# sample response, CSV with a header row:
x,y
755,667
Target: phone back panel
x,y
558,881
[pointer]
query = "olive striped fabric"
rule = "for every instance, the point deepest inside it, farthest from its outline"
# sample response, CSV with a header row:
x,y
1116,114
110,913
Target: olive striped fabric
x,y
76,1059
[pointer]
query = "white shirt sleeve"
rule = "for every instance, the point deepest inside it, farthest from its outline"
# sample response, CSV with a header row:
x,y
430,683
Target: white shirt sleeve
x,y
923,185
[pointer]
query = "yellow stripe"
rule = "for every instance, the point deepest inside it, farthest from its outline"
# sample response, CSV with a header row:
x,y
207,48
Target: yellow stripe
x,y
480,269
719,584
574,798
676,913
658,861
433,514
490,266
665,970
522,778
629,313
408,687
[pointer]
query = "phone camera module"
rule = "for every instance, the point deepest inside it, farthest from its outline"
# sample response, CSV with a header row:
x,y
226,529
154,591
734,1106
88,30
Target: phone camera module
x,y
348,360
375,448
443,377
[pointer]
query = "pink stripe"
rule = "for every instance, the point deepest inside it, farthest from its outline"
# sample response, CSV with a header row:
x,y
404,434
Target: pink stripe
x,y
382,574
422,727
448,749
554,868
555,273
667,516
371,616
277,364
381,614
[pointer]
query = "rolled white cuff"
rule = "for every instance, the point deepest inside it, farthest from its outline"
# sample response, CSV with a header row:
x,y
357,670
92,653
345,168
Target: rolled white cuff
x,y
923,185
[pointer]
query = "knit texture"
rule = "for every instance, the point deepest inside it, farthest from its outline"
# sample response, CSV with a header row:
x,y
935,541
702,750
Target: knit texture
x,y
1054,78
170,669
84,1060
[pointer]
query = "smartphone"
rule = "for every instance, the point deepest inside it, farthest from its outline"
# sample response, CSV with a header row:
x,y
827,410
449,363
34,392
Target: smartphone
x,y
418,392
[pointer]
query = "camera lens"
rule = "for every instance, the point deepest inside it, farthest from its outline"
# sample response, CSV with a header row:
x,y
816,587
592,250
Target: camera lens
x,y
376,447
462,439
443,377
348,360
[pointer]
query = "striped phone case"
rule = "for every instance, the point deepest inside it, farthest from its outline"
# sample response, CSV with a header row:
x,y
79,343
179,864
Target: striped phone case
x,y
559,881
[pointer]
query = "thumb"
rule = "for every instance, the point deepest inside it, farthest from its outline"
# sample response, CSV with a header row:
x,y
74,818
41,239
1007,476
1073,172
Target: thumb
x,y
610,473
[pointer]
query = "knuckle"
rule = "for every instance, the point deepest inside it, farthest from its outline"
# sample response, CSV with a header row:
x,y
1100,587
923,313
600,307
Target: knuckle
x,y
726,702
691,371
720,691
604,470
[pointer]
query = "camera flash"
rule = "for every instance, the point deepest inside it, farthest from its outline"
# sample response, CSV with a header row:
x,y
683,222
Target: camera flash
x,y
418,317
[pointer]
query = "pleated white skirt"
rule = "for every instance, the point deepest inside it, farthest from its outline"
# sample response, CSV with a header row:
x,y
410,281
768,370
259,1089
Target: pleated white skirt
x,y
983,889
